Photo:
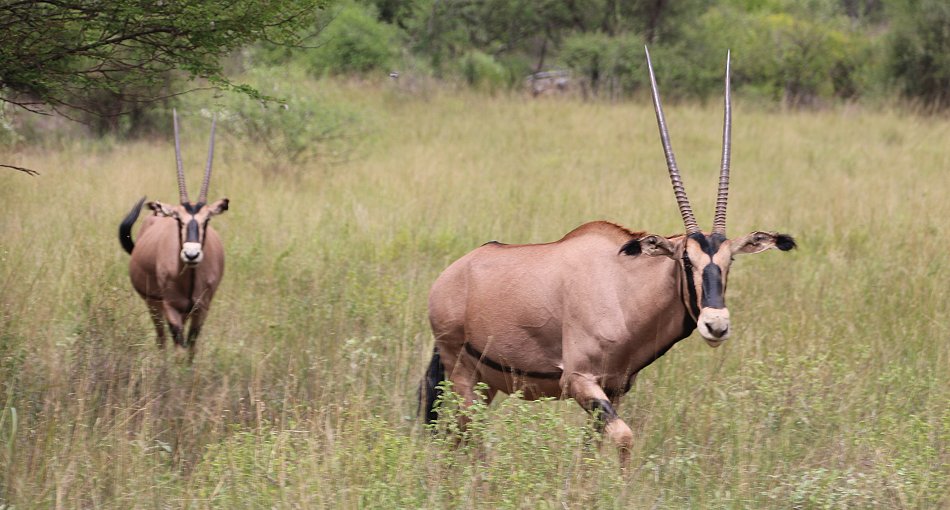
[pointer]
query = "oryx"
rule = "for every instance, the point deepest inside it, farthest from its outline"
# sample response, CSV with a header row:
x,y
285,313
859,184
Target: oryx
x,y
579,317
178,260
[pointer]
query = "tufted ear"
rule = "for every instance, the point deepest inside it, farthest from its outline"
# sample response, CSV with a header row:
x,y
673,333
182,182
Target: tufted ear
x,y
219,207
161,209
650,245
760,241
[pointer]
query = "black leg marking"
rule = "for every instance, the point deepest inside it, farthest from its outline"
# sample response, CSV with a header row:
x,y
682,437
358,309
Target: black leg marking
x,y
177,335
193,335
603,412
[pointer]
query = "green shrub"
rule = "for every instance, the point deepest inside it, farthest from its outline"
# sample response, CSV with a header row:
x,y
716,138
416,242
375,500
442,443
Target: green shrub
x,y
587,56
353,42
605,64
919,51
304,126
483,72
779,55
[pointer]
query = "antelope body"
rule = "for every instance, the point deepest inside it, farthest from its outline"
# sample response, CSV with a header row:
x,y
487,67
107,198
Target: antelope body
x,y
178,260
580,317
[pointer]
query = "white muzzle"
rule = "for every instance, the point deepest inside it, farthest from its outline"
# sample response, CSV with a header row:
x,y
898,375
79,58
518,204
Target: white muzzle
x,y
713,324
191,253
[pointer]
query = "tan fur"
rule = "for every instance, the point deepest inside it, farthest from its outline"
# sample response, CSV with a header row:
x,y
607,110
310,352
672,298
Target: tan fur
x,y
576,308
580,317
537,308
175,291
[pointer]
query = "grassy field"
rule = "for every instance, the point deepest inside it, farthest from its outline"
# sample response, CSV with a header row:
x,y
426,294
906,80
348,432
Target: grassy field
x,y
834,391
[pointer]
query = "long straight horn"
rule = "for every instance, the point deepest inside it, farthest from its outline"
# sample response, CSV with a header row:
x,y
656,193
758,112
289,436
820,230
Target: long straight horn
x,y
203,198
182,190
719,223
681,199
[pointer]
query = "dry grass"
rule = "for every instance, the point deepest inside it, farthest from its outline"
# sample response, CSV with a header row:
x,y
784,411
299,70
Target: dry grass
x,y
833,393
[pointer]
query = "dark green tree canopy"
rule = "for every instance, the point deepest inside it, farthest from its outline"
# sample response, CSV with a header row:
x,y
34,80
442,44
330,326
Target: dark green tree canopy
x,y
59,53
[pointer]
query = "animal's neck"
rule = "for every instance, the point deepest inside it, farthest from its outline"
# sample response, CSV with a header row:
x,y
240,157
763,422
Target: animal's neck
x,y
673,323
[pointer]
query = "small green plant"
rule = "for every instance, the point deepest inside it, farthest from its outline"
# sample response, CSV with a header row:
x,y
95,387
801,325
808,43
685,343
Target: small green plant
x,y
8,133
483,72
302,126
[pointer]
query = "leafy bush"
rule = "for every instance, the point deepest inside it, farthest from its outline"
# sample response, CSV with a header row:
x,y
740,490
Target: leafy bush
x,y
780,55
303,127
353,42
919,55
483,72
605,63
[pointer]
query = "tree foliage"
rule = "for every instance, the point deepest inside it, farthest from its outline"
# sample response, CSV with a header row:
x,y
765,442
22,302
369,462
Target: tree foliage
x,y
920,50
74,54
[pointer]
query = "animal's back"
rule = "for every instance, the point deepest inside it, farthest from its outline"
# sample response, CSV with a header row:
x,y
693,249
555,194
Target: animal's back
x,y
517,291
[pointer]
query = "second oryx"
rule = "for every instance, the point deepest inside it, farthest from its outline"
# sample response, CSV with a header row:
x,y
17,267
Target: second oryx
x,y
178,259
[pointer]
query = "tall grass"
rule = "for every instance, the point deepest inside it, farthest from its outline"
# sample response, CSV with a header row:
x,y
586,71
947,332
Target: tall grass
x,y
833,393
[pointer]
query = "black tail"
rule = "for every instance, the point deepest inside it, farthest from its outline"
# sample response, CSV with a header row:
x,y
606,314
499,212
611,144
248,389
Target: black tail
x,y
125,228
429,389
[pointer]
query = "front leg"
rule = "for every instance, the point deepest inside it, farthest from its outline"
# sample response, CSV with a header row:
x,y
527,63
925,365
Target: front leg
x,y
196,320
175,322
155,312
587,392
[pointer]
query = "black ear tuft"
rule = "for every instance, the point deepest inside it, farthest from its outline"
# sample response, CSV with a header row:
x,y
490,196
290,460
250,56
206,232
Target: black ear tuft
x,y
785,242
632,248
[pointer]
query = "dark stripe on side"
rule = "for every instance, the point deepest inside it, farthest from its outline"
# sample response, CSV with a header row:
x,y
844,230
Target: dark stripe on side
x,y
125,228
490,363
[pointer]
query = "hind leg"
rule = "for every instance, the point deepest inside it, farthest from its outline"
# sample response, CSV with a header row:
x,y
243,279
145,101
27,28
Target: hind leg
x,y
460,369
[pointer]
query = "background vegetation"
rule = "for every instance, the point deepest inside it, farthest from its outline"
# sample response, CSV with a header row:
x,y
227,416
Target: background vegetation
x,y
119,69
351,190
833,392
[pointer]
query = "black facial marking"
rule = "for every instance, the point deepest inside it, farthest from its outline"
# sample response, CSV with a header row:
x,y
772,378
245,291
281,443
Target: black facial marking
x,y
712,273
490,363
710,245
192,236
690,285
712,287
716,241
204,228
193,208
785,242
